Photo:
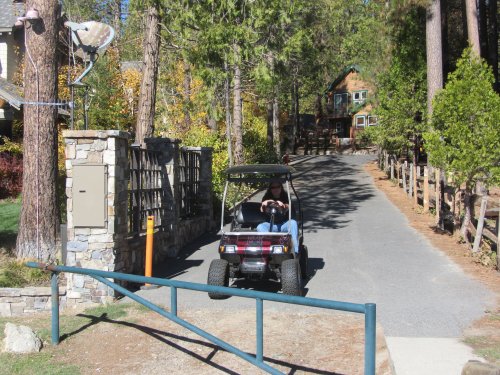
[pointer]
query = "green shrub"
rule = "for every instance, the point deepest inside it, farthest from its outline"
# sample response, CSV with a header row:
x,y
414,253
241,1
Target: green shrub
x,y
14,274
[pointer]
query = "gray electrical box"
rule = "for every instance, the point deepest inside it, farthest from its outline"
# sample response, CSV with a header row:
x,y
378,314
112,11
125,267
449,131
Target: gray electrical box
x,y
89,196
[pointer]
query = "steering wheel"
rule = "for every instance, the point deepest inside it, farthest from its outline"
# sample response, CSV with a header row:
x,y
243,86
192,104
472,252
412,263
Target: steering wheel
x,y
273,208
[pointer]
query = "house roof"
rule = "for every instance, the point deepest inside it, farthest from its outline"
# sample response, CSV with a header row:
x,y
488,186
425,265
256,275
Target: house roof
x,y
348,69
11,93
8,16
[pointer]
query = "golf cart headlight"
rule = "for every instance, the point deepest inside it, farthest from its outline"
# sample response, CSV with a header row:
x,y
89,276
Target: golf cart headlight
x,y
280,249
229,249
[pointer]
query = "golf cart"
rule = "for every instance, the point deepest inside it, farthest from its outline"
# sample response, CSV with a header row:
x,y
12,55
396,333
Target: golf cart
x,y
245,252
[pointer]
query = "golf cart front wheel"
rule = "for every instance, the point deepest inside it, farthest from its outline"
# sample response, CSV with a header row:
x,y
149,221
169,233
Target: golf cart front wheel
x,y
291,281
218,275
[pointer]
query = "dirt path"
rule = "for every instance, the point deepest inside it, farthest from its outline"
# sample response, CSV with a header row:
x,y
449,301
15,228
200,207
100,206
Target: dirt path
x,y
144,343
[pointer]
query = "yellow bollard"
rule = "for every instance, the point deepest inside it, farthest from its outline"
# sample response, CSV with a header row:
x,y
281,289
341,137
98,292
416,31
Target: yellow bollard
x,y
149,247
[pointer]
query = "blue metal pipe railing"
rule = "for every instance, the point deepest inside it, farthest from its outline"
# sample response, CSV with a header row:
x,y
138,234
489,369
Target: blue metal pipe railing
x,y
368,309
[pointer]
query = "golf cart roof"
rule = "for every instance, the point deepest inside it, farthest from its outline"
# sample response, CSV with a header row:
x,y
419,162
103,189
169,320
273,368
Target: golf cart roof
x,y
260,172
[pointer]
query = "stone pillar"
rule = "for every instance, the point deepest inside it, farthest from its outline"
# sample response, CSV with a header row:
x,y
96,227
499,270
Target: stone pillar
x,y
101,245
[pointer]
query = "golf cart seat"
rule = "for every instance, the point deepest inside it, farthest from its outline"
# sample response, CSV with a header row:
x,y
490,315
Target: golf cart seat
x,y
249,215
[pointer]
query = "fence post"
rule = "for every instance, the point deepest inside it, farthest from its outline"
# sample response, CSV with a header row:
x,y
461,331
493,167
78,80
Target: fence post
x,y
418,183
498,237
425,192
416,174
403,170
437,179
55,307
392,169
370,338
410,181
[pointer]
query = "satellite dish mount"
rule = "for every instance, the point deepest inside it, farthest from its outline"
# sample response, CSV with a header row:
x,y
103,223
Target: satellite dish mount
x,y
91,40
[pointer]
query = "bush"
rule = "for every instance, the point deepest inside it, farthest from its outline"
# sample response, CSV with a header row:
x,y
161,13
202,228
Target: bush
x,y
11,175
14,274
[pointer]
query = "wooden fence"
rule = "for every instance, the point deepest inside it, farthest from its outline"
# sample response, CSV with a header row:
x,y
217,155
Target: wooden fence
x,y
430,189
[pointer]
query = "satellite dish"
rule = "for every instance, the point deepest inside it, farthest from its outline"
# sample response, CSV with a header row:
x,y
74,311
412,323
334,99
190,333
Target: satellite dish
x,y
91,39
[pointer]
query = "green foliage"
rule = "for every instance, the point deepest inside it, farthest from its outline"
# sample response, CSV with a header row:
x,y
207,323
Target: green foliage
x,y
402,88
13,148
14,274
203,137
369,136
465,139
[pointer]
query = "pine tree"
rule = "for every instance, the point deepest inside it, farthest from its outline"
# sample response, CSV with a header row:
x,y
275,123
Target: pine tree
x,y
464,139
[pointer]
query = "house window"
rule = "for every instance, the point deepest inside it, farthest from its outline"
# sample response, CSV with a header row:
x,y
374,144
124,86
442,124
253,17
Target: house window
x,y
340,101
359,97
372,121
360,121
338,128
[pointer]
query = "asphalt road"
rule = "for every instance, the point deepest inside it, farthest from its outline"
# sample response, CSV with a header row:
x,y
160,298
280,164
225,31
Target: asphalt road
x,y
361,250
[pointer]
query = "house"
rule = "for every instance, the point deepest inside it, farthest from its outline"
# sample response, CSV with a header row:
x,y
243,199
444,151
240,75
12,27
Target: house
x,y
11,44
348,109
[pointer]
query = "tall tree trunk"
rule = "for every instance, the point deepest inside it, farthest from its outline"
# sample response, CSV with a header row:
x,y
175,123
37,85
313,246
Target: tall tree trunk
x,y
237,115
187,95
493,41
445,12
39,221
472,25
483,28
147,94
212,121
270,136
296,114
467,213
227,103
434,51
276,126
116,8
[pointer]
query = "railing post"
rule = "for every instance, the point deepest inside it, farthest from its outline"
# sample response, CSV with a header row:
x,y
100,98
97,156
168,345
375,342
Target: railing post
x,y
55,307
260,330
173,300
370,338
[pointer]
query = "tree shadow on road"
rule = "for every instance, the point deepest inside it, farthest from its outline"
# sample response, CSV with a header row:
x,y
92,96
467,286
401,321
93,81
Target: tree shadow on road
x,y
329,189
179,265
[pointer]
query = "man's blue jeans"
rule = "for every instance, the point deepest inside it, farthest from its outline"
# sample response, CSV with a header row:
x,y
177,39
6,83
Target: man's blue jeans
x,y
283,227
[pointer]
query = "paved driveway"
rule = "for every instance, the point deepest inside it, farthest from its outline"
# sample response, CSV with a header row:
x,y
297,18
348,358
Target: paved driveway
x,y
361,250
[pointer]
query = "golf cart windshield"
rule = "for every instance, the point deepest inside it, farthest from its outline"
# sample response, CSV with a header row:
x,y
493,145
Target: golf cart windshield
x,y
249,182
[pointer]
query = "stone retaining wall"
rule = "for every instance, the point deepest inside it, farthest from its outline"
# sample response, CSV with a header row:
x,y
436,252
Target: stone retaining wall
x,y
23,301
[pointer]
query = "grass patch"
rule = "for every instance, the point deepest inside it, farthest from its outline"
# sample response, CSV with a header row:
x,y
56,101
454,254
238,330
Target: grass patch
x,y
45,363
487,347
35,364
9,221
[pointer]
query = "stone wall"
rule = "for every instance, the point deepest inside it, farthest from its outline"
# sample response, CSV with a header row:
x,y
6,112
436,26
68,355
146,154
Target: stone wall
x,y
107,245
23,301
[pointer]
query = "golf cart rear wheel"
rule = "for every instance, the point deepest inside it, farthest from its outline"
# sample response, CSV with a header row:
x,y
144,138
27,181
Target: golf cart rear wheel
x,y
218,275
291,282
304,261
